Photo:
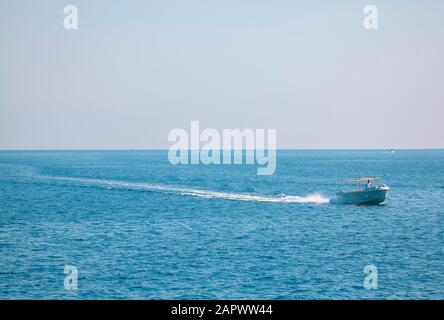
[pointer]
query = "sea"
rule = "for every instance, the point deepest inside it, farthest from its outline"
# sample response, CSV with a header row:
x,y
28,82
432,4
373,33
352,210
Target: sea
x,y
130,225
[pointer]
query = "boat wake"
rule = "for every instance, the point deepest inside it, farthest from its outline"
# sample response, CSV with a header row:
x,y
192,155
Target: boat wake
x,y
186,191
312,198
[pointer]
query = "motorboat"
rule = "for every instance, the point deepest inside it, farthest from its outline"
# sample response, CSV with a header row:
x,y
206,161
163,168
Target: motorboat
x,y
363,193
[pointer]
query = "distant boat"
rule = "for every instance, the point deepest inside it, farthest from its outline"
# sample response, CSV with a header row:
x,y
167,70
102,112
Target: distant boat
x,y
367,194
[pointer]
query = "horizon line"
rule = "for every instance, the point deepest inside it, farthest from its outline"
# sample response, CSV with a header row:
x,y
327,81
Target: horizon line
x,y
277,149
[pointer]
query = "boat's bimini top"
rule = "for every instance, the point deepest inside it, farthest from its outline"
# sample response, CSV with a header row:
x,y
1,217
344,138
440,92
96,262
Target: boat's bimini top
x,y
363,179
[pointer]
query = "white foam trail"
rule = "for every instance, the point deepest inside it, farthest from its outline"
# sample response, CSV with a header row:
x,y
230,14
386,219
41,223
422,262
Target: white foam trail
x,y
312,198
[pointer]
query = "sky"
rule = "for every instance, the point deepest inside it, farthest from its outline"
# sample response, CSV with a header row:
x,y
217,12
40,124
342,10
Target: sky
x,y
135,70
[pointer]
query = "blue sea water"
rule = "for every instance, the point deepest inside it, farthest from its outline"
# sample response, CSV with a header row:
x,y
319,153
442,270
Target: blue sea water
x,y
137,227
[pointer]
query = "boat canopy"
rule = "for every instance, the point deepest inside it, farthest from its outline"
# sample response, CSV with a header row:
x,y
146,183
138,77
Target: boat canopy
x,y
363,179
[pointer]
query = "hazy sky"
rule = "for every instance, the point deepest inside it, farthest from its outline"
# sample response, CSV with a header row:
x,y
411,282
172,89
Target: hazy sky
x,y
134,70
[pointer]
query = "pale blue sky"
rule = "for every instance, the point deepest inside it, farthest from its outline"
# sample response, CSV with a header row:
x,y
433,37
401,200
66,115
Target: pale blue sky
x,y
137,69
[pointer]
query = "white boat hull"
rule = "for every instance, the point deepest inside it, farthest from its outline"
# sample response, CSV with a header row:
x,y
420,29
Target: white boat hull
x,y
365,196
